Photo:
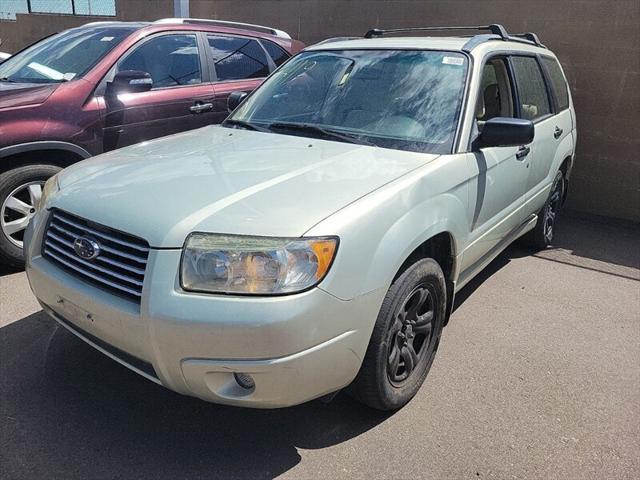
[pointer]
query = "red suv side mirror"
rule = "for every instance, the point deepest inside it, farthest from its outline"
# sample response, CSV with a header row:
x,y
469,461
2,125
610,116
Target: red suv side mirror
x,y
130,81
235,99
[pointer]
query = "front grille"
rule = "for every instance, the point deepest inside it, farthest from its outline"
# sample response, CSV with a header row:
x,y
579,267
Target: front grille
x,y
120,265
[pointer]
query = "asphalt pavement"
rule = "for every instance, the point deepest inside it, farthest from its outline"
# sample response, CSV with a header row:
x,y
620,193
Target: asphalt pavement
x,y
537,376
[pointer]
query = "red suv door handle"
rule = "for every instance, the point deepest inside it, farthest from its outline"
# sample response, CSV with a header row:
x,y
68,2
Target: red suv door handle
x,y
200,107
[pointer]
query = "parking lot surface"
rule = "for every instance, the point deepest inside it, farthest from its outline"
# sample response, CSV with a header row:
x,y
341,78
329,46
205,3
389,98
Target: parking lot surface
x,y
538,376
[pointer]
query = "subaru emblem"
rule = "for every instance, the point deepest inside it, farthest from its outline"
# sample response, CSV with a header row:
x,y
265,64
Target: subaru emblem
x,y
86,248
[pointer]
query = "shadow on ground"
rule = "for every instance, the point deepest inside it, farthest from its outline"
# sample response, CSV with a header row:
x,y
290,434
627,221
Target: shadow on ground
x,y
67,411
6,270
600,239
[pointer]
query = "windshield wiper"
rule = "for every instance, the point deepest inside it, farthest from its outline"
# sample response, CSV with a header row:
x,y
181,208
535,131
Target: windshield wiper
x,y
242,124
7,79
323,132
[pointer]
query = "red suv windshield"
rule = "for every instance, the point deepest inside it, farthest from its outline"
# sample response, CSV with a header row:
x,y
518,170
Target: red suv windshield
x,y
64,56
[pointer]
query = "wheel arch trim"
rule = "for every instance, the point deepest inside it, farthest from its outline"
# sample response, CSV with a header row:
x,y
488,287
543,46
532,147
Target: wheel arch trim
x,y
43,145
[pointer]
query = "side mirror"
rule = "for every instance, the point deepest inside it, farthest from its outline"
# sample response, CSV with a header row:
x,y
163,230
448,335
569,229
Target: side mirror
x,y
235,99
130,81
505,132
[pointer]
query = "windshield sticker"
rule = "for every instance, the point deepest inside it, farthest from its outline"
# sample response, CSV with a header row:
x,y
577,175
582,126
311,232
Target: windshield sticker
x,y
68,76
453,61
106,39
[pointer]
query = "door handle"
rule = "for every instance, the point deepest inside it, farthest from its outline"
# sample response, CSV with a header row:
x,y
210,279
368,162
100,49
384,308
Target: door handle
x,y
201,107
522,152
557,132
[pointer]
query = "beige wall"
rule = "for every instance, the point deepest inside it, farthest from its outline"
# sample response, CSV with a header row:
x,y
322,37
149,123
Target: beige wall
x,y
597,42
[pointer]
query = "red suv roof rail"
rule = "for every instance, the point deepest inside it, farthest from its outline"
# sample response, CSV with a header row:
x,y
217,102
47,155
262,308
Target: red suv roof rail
x,y
226,23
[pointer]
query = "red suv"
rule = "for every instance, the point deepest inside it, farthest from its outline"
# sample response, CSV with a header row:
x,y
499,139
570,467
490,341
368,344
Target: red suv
x,y
110,84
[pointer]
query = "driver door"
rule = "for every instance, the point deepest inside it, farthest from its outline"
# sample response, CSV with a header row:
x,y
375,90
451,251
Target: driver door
x,y
497,195
181,98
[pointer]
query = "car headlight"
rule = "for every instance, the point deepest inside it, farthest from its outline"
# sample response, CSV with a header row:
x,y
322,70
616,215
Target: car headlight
x,y
50,186
254,265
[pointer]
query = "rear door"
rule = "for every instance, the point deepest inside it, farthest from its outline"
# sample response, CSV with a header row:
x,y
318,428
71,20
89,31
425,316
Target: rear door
x,y
182,97
535,104
563,124
238,64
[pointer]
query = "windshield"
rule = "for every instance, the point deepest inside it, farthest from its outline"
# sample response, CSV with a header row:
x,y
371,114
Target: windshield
x,y
407,100
64,56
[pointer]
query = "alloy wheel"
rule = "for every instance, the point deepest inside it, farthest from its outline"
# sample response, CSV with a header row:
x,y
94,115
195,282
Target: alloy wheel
x,y
17,209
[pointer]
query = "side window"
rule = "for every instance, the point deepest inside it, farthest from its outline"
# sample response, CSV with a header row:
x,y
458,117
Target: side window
x,y
557,81
276,52
495,98
237,58
171,60
534,101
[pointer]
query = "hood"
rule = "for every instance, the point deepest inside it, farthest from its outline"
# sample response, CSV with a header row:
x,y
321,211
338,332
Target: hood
x,y
20,94
225,180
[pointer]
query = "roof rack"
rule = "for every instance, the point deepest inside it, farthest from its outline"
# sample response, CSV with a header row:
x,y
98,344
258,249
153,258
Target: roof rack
x,y
495,28
498,32
225,23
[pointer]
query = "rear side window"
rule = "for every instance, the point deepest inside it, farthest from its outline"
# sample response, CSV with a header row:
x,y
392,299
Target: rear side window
x,y
557,81
237,58
277,53
171,60
532,91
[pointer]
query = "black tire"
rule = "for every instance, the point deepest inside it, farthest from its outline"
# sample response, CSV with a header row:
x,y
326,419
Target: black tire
x,y
10,181
380,383
542,234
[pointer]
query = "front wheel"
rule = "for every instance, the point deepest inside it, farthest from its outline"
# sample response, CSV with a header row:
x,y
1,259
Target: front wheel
x,y
20,190
405,338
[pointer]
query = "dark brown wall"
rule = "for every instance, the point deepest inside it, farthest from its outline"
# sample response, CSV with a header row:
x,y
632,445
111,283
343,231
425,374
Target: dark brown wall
x,y
597,42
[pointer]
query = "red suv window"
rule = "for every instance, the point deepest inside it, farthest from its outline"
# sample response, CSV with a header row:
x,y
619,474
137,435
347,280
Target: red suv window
x,y
277,53
237,58
171,60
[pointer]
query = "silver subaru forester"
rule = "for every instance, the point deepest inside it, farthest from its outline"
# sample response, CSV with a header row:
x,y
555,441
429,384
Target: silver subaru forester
x,y
316,239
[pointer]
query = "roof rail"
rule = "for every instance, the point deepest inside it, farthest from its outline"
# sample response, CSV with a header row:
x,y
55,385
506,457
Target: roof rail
x,y
476,40
529,36
225,23
336,39
104,22
495,28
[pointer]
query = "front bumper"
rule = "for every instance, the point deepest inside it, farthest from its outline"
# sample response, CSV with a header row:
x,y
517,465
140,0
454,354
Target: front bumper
x,y
295,347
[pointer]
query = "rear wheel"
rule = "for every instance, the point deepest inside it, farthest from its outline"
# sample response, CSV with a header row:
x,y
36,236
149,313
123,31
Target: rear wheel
x,y
405,338
20,190
542,234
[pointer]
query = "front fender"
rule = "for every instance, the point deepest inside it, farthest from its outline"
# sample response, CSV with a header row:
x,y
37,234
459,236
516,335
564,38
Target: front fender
x,y
380,231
